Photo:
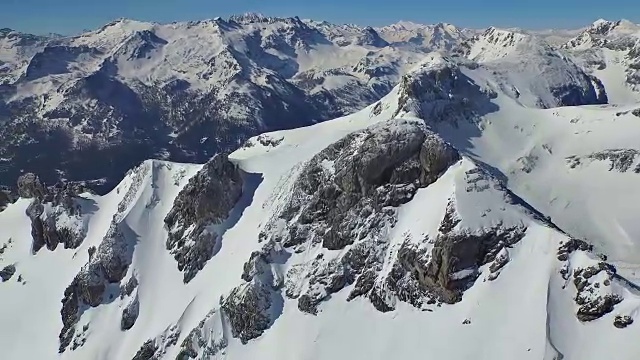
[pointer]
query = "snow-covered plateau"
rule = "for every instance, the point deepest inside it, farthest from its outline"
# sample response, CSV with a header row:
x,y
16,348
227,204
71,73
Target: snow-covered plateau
x,y
320,192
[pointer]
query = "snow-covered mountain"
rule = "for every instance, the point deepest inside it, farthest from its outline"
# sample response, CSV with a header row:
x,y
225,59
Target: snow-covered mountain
x,y
180,91
480,203
90,107
448,212
611,51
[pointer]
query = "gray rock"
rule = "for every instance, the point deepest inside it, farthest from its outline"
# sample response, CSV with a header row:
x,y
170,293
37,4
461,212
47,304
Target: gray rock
x,y
201,342
435,157
7,272
345,198
571,246
147,351
247,308
108,266
622,322
206,200
456,252
594,301
443,94
6,197
61,200
29,186
598,307
501,260
620,159
130,314
129,287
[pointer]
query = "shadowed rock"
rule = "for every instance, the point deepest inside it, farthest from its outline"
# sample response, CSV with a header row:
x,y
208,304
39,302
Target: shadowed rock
x,y
48,205
7,272
247,308
29,186
622,322
130,314
204,203
146,351
6,197
345,198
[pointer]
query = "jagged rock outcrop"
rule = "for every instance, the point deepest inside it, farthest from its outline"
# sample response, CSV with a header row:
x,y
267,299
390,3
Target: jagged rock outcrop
x,y
130,314
622,322
6,197
108,266
439,91
621,160
248,310
146,351
593,300
207,339
55,213
595,282
129,287
251,308
156,348
29,186
7,272
566,249
345,199
196,220
457,256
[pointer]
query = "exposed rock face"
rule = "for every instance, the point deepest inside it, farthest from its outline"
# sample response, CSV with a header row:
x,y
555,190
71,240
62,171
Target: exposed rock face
x,y
594,284
248,309
108,266
594,300
29,186
204,203
571,246
130,314
345,199
622,322
156,348
459,252
439,91
48,207
129,287
6,197
207,339
621,160
146,351
7,272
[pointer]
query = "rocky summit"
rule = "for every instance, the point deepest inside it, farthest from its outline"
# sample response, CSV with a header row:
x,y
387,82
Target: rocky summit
x,y
280,188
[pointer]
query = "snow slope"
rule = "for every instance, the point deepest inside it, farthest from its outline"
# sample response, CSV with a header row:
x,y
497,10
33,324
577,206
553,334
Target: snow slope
x,y
521,305
610,50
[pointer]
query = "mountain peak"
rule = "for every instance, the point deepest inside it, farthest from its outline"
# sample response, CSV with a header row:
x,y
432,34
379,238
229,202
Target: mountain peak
x,y
249,17
252,18
606,27
5,31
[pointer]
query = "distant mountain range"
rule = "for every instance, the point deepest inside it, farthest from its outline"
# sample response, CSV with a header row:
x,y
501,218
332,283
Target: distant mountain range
x,y
89,107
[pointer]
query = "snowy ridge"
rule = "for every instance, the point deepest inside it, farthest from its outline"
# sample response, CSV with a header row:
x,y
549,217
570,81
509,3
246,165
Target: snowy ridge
x,y
610,50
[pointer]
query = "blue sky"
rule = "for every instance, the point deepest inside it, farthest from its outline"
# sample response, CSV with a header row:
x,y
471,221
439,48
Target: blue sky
x,y
72,16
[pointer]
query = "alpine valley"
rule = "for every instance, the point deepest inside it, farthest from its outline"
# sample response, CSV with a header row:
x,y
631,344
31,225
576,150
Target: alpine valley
x,y
279,188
